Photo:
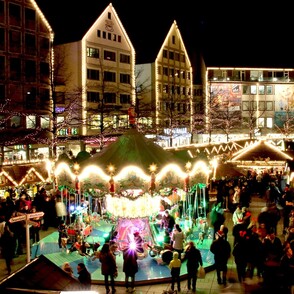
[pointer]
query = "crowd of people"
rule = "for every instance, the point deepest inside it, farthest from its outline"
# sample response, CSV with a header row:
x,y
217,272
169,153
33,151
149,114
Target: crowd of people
x,y
256,249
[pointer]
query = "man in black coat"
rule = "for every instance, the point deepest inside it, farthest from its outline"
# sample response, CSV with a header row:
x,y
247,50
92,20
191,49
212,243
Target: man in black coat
x,y
221,249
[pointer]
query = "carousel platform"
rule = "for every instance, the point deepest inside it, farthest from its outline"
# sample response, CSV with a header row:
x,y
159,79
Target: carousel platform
x,y
151,268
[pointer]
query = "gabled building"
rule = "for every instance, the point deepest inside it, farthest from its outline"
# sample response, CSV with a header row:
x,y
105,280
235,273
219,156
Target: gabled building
x,y
166,86
98,73
25,60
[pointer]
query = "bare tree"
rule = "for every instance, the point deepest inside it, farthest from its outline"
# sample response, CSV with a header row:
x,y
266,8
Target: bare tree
x,y
144,103
174,109
285,121
253,110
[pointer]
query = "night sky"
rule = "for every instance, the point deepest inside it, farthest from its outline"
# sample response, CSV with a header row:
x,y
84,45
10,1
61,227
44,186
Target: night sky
x,y
226,31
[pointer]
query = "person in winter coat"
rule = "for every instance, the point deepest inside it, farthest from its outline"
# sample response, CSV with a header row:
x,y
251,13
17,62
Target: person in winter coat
x,y
175,269
108,267
194,259
8,246
240,254
130,267
221,249
84,276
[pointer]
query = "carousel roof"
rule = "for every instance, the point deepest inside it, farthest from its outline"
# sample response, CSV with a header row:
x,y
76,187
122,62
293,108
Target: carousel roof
x,y
261,151
133,148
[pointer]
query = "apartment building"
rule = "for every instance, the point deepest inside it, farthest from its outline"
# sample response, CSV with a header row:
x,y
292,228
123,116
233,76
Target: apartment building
x,y
25,100
96,85
247,102
166,85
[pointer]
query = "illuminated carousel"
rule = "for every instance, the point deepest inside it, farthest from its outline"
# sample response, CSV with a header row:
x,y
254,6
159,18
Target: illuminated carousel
x,y
127,187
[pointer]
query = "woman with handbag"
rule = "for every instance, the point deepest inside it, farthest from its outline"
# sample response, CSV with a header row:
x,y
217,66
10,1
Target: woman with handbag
x,y
194,259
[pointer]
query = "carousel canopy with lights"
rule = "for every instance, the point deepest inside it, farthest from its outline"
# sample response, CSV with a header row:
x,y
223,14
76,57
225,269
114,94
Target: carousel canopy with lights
x,y
133,168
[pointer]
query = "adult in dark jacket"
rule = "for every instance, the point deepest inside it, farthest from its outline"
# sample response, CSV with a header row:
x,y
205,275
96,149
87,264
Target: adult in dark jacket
x,y
194,259
108,267
130,267
221,249
84,276
8,246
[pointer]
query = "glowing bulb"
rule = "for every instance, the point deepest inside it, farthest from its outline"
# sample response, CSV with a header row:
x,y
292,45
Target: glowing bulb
x,y
133,245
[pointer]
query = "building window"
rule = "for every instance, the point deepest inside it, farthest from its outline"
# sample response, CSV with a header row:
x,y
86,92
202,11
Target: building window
x,y
2,67
269,122
45,122
92,52
164,53
94,121
165,71
109,15
110,98
173,40
59,97
14,41
30,44
1,11
109,76
31,101
14,14
245,90
125,99
30,19
124,58
109,36
260,122
44,72
104,35
108,55
269,90
119,39
93,97
2,38
44,46
31,122
269,106
245,105
99,33
125,78
261,90
2,93
15,69
253,90
44,98
30,71
171,55
15,121
93,74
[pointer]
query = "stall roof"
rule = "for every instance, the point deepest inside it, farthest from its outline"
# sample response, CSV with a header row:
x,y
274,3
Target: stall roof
x,y
40,274
260,151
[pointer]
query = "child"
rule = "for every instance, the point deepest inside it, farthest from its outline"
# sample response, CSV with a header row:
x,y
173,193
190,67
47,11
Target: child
x,y
63,236
175,269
